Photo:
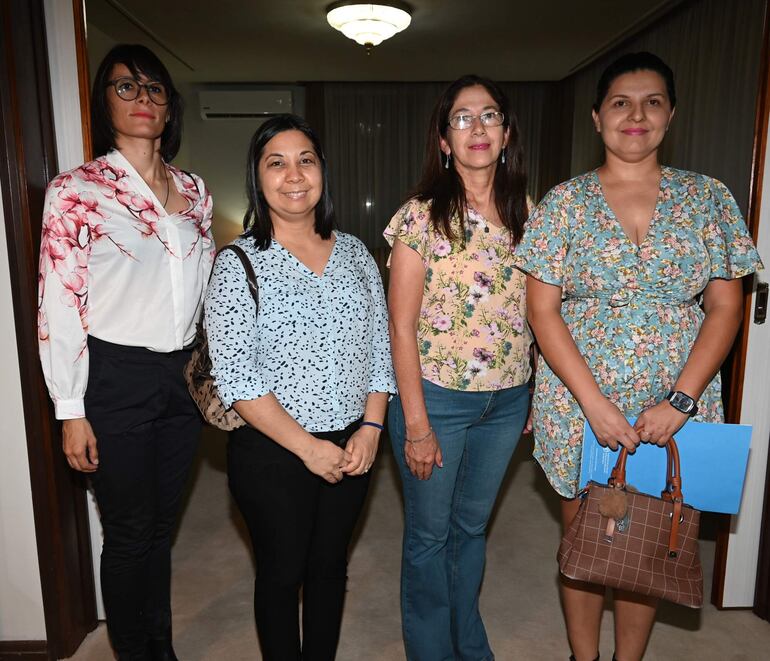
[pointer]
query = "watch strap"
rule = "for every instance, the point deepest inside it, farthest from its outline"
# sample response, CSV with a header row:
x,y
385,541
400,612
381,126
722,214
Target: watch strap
x,y
675,395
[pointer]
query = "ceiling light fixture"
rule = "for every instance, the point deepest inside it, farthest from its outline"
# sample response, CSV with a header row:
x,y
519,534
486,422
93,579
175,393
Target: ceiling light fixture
x,y
369,24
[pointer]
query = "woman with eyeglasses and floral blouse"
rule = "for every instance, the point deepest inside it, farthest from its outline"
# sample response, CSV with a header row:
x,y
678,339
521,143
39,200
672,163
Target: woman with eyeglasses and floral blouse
x,y
461,352
125,256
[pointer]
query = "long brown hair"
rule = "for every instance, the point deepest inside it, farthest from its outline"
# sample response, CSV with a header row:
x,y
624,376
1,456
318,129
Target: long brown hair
x,y
444,187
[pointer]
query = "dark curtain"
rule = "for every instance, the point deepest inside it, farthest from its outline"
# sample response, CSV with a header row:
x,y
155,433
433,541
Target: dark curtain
x,y
713,47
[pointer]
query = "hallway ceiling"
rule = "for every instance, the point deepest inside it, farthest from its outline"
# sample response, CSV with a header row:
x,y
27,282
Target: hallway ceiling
x,y
289,40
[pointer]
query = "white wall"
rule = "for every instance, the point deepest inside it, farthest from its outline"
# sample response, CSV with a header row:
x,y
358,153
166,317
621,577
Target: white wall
x,y
216,150
21,597
65,98
743,547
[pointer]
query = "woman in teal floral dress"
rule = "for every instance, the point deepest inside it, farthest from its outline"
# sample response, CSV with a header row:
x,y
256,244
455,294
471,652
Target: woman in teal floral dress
x,y
634,296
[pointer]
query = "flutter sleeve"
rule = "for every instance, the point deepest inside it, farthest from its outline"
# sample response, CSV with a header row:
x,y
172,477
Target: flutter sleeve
x,y
65,248
411,226
544,246
232,331
729,245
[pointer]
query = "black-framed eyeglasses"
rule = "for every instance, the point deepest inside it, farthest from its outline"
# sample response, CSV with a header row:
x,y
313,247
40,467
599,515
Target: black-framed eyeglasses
x,y
129,88
464,121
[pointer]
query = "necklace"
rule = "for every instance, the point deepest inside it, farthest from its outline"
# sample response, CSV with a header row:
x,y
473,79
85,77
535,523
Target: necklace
x,y
168,188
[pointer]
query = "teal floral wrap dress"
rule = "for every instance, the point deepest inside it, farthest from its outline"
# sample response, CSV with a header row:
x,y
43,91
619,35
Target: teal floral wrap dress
x,y
633,311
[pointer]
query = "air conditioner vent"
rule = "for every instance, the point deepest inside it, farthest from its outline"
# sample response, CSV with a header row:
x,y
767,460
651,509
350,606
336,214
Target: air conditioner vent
x,y
243,104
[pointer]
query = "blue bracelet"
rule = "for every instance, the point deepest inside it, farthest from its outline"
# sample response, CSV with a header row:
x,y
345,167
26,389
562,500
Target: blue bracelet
x,y
377,425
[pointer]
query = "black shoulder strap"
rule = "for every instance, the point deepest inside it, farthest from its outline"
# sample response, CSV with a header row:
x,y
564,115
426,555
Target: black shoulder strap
x,y
251,278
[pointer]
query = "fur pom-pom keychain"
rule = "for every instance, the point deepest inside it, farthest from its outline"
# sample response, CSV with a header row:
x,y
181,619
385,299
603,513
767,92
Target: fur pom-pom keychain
x,y
614,505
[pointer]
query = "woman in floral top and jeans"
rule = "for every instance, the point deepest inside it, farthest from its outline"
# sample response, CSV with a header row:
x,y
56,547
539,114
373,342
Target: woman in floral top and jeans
x,y
461,351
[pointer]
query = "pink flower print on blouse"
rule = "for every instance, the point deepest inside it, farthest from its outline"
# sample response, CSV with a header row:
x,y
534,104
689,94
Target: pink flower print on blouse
x,y
484,356
477,294
115,183
42,324
442,322
442,248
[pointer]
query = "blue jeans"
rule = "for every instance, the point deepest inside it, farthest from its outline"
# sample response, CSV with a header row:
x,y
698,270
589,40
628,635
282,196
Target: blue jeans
x,y
446,517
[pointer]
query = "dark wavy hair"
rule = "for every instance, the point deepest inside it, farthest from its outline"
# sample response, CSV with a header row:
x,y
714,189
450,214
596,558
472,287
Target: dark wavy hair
x,y
628,63
444,188
140,60
257,223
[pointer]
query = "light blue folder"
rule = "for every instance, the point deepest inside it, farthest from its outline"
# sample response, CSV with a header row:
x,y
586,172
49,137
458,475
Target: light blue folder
x,y
713,461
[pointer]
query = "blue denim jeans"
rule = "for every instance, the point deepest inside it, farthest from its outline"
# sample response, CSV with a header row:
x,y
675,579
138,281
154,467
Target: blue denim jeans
x,y
446,517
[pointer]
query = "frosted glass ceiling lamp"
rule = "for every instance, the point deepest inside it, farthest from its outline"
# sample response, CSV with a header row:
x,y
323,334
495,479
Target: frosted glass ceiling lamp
x,y
369,24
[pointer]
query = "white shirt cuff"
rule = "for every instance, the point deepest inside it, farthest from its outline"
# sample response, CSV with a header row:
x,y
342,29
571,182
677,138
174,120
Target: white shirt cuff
x,y
68,409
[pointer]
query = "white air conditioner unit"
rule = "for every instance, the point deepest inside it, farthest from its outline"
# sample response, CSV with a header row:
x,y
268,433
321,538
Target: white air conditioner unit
x,y
243,104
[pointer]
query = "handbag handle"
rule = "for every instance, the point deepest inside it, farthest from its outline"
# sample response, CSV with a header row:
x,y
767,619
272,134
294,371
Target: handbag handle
x,y
671,493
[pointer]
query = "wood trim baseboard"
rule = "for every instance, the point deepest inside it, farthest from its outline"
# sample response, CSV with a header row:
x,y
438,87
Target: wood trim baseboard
x,y
24,650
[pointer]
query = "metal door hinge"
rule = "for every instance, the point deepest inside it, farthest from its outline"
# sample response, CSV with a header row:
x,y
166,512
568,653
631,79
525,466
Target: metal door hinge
x,y
760,304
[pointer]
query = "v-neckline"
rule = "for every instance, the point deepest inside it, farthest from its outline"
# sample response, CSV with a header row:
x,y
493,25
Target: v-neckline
x,y
653,218
149,192
304,267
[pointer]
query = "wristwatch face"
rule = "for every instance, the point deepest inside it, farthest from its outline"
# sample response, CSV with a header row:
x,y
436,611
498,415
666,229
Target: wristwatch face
x,y
682,402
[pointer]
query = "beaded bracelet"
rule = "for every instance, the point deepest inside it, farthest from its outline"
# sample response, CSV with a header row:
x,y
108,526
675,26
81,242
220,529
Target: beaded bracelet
x,y
421,439
368,423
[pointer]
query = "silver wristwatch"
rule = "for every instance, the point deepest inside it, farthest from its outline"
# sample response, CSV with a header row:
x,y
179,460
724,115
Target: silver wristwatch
x,y
682,402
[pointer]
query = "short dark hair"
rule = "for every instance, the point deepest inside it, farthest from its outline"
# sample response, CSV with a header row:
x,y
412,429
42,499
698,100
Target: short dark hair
x,y
444,188
628,63
257,223
140,60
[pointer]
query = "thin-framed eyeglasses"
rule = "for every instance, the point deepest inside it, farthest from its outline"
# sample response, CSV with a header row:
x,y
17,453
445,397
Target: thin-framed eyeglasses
x,y
129,88
465,121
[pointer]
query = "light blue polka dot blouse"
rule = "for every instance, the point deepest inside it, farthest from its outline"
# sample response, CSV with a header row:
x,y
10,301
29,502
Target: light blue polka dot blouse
x,y
319,343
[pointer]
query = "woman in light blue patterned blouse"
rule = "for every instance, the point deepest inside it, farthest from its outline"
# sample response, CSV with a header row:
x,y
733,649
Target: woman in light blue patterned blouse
x,y
618,260
310,371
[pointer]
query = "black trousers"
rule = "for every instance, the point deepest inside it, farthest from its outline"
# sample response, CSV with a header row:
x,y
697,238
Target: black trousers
x,y
147,430
300,527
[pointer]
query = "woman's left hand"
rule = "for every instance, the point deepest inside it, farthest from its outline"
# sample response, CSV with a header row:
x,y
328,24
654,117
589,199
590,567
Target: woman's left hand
x,y
362,446
659,423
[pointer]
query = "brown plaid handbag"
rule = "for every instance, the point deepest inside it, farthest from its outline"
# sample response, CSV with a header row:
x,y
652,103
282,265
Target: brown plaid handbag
x,y
197,372
634,541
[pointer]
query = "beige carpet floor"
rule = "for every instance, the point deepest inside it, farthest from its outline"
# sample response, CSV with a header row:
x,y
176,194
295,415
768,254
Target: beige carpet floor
x,y
213,580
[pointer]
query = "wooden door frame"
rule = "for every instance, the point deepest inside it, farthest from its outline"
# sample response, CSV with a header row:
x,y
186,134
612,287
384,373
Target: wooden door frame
x,y
27,163
759,161
736,367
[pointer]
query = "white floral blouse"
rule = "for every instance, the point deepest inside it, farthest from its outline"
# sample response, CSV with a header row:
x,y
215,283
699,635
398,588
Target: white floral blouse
x,y
472,332
114,264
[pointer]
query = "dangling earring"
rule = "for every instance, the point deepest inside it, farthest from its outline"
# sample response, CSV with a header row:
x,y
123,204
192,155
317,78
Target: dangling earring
x,y
446,165
502,157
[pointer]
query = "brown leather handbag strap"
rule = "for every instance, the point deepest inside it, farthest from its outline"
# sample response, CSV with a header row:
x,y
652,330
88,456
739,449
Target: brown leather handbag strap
x,y
672,492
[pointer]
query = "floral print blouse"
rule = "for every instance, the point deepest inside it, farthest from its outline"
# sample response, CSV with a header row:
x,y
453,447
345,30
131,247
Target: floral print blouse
x,y
472,332
632,310
114,264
